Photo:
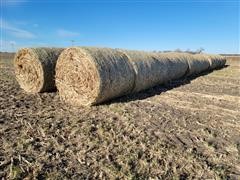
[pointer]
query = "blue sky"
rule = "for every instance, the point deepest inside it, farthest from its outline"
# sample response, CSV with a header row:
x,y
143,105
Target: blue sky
x,y
137,24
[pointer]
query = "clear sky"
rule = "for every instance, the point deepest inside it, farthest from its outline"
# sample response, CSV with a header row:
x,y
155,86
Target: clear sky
x,y
137,24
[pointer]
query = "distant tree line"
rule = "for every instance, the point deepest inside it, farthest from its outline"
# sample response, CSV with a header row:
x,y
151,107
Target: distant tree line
x,y
198,51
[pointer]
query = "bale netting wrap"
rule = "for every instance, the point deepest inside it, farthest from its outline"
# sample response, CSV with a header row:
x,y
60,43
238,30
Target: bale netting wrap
x,y
216,61
197,63
149,69
176,64
35,68
88,76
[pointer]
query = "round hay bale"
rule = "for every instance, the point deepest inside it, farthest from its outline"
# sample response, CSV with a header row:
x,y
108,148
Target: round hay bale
x,y
216,61
35,68
222,61
149,69
88,76
197,63
176,64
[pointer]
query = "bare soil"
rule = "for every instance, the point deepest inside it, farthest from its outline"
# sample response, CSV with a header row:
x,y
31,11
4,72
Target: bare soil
x,y
187,129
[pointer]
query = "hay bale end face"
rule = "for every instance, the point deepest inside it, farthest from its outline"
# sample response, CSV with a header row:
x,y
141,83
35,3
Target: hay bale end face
x,y
35,68
88,76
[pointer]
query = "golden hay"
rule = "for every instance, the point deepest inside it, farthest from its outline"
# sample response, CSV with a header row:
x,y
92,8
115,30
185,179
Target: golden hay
x,y
197,63
35,68
87,76
216,61
175,64
223,60
152,69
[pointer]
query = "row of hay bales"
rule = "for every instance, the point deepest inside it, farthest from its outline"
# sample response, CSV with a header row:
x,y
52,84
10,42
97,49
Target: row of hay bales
x,y
89,76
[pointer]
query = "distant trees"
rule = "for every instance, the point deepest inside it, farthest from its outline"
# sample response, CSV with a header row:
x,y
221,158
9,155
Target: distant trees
x,y
178,50
198,51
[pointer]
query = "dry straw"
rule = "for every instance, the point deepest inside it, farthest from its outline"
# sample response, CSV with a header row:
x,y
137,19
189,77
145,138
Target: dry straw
x,y
35,68
149,69
152,69
89,76
216,61
175,64
197,63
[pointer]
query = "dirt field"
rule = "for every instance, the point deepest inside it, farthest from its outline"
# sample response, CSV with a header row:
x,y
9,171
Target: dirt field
x,y
189,128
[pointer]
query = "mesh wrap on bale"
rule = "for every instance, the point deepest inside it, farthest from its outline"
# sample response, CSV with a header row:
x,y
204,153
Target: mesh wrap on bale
x,y
35,68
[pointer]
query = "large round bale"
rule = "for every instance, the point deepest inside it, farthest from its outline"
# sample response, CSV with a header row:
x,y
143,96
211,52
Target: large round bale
x,y
222,61
197,63
35,68
88,76
176,64
216,61
149,69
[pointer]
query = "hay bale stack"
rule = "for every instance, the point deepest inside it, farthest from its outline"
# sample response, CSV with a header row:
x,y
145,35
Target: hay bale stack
x,y
35,68
197,63
88,76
